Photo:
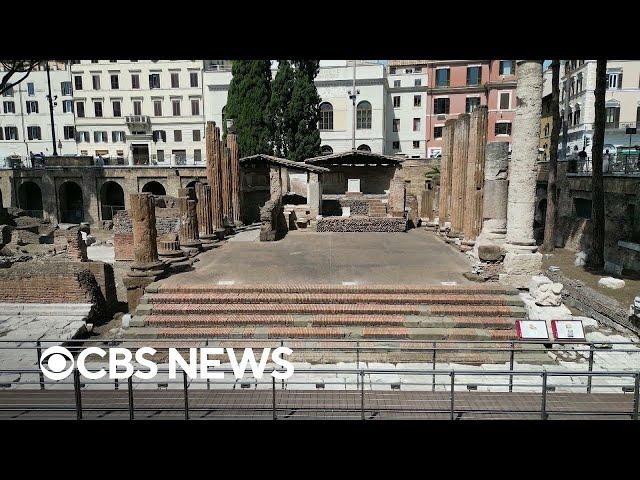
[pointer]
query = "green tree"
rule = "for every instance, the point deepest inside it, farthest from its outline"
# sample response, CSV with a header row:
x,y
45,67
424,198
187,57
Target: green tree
x,y
248,106
279,106
304,111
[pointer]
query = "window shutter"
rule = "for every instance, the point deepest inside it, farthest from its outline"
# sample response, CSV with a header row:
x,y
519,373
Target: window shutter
x,y
620,80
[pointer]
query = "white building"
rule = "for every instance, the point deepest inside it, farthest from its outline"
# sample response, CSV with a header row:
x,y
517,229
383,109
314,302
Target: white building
x,y
140,111
25,121
622,102
334,81
406,111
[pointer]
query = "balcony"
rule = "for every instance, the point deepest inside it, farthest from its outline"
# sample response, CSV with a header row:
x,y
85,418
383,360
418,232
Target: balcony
x,y
621,164
138,122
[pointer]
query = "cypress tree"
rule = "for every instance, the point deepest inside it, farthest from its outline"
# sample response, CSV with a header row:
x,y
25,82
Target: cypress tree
x,y
247,105
281,91
304,111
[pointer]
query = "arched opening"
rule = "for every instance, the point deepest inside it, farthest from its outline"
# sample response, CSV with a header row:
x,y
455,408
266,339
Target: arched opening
x,y
364,148
71,204
363,115
30,199
326,150
326,116
111,199
154,188
192,184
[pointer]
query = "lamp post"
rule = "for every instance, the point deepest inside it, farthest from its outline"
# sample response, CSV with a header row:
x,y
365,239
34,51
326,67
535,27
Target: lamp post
x,y
353,93
51,105
631,131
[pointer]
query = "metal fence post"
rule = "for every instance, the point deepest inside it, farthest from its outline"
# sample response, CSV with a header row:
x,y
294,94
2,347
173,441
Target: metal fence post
x,y
512,357
433,367
273,397
361,394
206,344
453,395
636,396
39,352
282,381
357,362
543,406
130,392
590,378
186,395
76,387
116,384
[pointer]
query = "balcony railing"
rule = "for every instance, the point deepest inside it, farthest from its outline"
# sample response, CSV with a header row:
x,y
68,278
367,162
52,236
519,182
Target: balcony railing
x,y
611,164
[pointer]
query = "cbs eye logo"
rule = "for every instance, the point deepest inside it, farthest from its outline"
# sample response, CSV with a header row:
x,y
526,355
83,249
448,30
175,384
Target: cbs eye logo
x,y
56,363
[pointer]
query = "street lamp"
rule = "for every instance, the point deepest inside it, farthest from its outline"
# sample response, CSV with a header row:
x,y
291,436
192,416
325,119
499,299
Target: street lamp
x,y
631,131
51,105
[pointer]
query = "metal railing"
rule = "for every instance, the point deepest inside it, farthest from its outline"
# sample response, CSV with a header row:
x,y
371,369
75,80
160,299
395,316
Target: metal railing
x,y
380,392
611,164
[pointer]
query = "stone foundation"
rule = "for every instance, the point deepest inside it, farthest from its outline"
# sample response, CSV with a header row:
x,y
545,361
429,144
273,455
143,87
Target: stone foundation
x,y
362,224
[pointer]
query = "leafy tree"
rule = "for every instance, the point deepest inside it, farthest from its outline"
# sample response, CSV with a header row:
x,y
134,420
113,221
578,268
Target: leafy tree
x,y
304,112
279,106
14,72
247,105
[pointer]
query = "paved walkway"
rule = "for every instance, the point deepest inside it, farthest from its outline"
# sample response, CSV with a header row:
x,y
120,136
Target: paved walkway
x,y
415,257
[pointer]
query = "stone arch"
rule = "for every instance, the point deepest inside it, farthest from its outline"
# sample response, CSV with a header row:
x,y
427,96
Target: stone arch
x,y
71,202
191,184
111,199
364,148
326,116
30,198
154,187
326,150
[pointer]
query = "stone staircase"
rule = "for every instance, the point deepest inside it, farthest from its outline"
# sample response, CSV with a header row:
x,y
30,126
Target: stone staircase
x,y
329,312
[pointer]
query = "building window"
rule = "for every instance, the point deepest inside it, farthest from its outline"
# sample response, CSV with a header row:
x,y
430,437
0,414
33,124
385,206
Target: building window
x,y
395,145
503,128
396,124
579,83
417,82
326,150
546,130
614,80
196,135
392,70
193,78
32,106
95,79
160,154
582,207
442,77
364,148
80,109
69,132
176,107
67,106
65,88
97,108
471,104
137,107
326,116
504,101
157,108
474,75
363,115
159,136
417,100
506,67
177,135
77,82
175,80
135,81
612,117
100,137
154,80
396,101
440,106
115,82
576,116
416,124
11,133
33,133
117,110
396,84
118,136
416,144
195,106
437,132
31,89
197,155
9,107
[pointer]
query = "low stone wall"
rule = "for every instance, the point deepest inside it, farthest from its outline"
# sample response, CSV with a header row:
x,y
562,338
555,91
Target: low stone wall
x,y
167,221
362,224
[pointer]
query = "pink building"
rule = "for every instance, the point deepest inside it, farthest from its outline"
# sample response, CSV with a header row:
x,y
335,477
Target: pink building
x,y
458,86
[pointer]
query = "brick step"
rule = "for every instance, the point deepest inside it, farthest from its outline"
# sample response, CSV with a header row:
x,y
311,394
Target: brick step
x,y
334,298
499,323
328,332
306,288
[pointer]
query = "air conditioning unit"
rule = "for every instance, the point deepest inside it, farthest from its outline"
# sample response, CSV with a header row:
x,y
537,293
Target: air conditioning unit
x,y
441,117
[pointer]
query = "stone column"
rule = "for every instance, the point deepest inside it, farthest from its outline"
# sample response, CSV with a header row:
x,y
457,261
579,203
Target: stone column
x,y
143,216
475,175
275,183
496,184
235,176
522,259
444,202
225,178
314,194
189,235
203,210
213,176
459,174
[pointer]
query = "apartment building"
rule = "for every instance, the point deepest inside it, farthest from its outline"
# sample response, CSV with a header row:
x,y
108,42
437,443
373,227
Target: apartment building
x,y
622,103
139,112
25,121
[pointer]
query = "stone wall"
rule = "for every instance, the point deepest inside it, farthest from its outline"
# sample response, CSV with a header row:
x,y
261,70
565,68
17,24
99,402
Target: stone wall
x,y
362,224
273,223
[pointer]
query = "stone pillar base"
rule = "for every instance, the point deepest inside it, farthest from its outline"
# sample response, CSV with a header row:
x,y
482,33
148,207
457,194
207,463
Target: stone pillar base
x,y
520,267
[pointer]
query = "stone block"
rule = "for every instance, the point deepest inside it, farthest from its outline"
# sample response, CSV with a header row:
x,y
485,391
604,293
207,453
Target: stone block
x,y
544,291
523,263
489,252
610,282
546,313
613,268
